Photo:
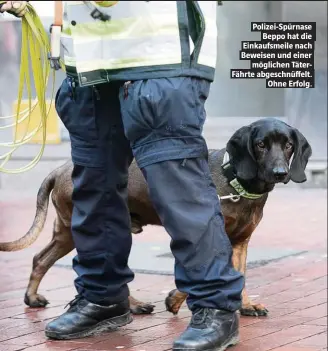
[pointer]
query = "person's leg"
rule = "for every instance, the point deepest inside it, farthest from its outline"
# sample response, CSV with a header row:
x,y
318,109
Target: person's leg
x,y
100,220
163,118
187,203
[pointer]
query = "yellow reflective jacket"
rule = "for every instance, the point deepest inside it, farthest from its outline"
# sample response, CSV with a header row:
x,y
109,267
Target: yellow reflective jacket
x,y
141,40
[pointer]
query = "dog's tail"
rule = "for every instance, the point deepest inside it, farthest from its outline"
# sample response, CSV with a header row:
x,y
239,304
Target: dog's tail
x,y
39,219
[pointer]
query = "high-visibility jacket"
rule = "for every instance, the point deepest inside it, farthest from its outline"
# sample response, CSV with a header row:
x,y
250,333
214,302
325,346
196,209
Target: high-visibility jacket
x,y
142,40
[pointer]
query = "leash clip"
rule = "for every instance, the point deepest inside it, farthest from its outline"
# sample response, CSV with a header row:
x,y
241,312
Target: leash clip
x,y
54,63
231,197
235,198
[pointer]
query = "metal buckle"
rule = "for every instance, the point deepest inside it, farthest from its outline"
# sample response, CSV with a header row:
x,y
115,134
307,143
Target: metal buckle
x,y
231,197
50,29
54,62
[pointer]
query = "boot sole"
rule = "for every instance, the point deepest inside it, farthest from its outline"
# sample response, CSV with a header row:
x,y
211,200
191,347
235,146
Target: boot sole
x,y
233,340
106,325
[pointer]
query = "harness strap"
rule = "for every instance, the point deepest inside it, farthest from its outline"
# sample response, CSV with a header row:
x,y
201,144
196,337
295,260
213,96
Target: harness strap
x,y
58,20
55,35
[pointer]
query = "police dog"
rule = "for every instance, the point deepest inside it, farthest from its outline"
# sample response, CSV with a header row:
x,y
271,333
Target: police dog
x,y
256,157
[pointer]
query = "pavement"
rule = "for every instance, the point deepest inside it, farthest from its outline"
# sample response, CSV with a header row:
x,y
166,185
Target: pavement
x,y
287,271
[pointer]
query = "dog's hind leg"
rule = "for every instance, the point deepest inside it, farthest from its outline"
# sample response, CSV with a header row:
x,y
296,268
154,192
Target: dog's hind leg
x,y
60,245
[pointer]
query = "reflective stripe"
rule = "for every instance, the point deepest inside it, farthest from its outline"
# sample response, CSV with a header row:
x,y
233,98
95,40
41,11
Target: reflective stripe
x,y
208,51
138,34
134,52
70,61
127,28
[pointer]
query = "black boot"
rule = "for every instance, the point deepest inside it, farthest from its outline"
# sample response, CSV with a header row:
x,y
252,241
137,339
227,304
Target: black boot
x,y
84,318
209,330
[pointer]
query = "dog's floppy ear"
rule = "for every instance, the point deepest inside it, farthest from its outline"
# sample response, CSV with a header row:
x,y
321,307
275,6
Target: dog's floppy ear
x,y
302,153
240,149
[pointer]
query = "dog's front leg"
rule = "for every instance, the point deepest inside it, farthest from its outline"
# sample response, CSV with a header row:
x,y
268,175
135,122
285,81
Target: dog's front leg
x,y
174,300
239,258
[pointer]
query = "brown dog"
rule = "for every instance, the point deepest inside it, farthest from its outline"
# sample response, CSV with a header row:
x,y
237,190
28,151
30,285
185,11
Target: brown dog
x,y
256,158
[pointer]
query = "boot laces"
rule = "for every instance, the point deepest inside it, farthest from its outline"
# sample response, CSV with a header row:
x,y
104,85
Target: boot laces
x,y
200,317
73,303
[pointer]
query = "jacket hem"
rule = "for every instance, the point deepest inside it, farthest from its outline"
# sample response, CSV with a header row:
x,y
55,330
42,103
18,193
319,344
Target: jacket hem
x,y
104,76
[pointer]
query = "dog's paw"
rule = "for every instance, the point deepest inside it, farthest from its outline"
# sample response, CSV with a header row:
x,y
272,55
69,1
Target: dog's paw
x,y
136,227
174,300
254,310
142,308
35,300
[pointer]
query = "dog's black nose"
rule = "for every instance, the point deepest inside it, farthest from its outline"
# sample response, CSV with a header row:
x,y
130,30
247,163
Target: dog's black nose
x,y
280,173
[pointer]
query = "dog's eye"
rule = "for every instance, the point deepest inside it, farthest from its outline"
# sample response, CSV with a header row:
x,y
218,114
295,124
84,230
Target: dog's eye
x,y
261,145
289,146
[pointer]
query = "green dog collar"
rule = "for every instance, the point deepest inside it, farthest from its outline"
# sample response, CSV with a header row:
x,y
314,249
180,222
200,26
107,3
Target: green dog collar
x,y
234,182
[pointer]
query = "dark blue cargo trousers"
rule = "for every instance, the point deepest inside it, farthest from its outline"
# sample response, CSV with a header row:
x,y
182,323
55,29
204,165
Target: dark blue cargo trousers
x,y
159,122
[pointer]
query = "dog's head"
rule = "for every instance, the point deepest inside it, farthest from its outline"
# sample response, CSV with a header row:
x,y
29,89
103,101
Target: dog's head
x,y
271,151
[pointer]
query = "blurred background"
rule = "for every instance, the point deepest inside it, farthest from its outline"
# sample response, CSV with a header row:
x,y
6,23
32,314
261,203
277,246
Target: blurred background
x,y
232,103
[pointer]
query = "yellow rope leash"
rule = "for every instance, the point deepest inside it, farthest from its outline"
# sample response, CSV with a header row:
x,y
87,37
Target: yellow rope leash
x,y
35,52
35,49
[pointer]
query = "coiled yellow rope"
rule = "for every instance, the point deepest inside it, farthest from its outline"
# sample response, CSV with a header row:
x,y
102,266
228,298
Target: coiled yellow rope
x,y
35,49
